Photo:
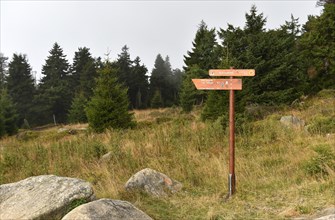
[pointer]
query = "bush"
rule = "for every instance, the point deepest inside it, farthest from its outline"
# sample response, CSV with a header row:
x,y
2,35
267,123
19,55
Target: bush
x,y
259,112
98,150
321,163
326,93
321,124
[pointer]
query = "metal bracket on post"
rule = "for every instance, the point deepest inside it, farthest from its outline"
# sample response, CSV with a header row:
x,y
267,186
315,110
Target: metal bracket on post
x,y
231,184
230,187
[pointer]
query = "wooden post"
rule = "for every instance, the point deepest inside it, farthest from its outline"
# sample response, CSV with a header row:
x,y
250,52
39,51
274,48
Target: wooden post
x,y
231,177
230,84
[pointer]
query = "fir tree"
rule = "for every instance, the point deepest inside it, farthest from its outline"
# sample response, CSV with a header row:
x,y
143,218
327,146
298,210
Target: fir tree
x,y
176,81
83,72
271,53
132,75
2,124
317,49
205,55
3,70
138,91
8,116
77,112
124,64
54,92
160,80
215,106
255,23
189,95
205,52
20,84
108,108
324,2
156,101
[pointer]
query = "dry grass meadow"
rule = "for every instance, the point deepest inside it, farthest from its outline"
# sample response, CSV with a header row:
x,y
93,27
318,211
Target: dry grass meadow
x,y
282,172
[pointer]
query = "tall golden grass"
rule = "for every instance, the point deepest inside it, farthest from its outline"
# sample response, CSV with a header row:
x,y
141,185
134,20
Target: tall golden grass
x,y
274,163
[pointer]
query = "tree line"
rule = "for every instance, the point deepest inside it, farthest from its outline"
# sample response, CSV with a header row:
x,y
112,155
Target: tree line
x,y
290,61
65,90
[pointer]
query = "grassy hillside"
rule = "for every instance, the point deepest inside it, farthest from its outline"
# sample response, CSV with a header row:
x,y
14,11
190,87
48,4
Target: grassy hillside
x,y
282,172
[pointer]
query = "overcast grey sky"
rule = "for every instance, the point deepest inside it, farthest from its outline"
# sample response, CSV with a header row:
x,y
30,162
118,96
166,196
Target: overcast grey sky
x,y
146,27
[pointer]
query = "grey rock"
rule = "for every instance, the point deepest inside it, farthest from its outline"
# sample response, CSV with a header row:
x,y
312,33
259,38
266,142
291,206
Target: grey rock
x,y
106,157
328,217
325,214
153,182
104,209
66,130
62,130
42,197
292,121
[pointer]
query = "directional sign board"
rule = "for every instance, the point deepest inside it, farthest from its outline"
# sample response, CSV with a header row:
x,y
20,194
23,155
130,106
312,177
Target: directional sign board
x,y
218,84
227,84
232,72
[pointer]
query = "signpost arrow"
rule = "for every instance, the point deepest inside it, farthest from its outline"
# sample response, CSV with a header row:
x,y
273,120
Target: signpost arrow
x,y
232,72
218,84
230,84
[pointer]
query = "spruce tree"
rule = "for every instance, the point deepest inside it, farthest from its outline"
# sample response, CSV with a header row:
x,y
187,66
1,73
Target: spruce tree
x,y
83,72
161,80
2,124
54,93
189,95
8,116
133,76
205,52
255,23
282,81
205,55
176,81
20,85
139,86
156,101
3,70
317,49
77,112
324,2
108,107
271,53
124,64
216,105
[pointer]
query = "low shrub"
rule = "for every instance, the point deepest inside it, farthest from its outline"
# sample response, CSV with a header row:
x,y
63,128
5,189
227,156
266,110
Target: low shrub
x,y
322,163
321,124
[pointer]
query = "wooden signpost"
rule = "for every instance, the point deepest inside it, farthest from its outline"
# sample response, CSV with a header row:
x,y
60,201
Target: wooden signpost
x,y
232,72
218,84
230,84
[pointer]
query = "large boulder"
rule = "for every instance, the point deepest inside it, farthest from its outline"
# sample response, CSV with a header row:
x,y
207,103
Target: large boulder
x,y
42,197
293,121
153,182
326,214
328,217
106,209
